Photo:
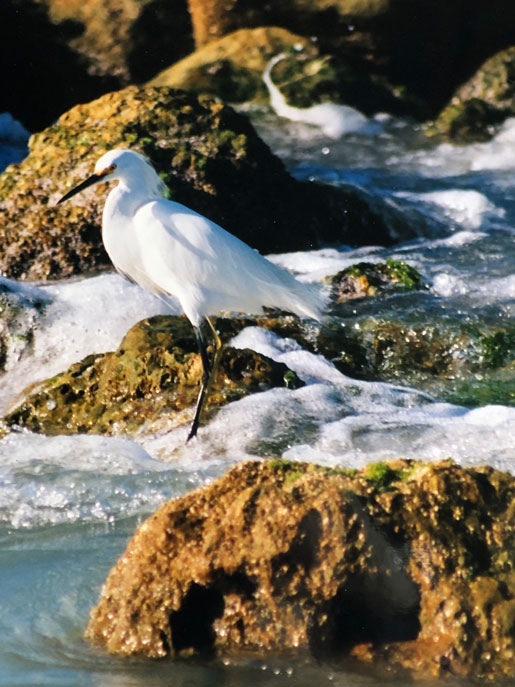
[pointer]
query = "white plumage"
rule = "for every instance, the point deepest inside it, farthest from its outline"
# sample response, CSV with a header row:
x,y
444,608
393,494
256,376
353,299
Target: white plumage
x,y
170,249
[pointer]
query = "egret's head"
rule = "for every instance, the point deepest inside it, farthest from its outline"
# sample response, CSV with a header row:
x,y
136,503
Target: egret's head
x,y
115,164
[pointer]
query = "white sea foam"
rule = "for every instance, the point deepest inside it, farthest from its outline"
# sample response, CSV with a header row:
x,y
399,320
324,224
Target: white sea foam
x,y
468,209
80,317
63,479
336,420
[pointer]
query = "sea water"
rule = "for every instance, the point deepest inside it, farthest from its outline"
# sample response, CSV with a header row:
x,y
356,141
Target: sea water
x,y
69,504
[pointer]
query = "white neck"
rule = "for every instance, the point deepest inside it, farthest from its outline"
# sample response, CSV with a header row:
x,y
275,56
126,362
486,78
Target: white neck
x,y
277,99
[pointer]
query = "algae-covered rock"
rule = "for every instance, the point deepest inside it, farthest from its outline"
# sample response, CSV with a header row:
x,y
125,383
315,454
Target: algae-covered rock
x,y
470,121
370,279
460,363
154,373
209,156
403,563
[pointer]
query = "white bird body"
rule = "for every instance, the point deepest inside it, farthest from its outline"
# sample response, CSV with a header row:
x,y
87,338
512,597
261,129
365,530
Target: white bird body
x,y
334,120
169,249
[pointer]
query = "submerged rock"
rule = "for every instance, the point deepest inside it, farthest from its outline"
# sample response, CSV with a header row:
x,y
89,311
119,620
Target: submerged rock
x,y
209,156
153,375
403,563
20,313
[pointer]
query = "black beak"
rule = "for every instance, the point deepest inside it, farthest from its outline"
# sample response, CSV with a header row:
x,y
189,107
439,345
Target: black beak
x,y
93,179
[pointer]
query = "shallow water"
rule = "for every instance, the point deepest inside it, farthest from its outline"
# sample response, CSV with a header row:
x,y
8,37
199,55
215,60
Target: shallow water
x,y
68,505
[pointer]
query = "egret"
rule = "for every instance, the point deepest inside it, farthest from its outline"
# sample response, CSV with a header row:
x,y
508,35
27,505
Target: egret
x,y
334,120
170,249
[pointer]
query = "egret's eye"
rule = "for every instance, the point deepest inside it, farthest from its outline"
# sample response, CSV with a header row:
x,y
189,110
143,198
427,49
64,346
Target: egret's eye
x,y
107,170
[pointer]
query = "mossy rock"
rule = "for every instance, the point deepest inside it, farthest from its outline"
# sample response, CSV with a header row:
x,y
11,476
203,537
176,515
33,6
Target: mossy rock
x,y
209,156
471,121
365,279
459,363
404,564
153,375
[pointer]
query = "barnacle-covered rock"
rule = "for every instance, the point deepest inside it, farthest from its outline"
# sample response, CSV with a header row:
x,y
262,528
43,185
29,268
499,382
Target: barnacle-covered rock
x,y
406,564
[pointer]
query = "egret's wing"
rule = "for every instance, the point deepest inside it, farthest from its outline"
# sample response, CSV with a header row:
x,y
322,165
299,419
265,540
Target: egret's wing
x,y
190,256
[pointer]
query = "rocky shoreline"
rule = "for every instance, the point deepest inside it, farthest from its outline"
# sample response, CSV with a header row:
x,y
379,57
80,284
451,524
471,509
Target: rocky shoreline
x,y
403,565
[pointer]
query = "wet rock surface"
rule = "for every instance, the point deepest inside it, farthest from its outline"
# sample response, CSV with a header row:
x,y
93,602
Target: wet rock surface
x,y
209,156
232,67
155,373
367,279
406,564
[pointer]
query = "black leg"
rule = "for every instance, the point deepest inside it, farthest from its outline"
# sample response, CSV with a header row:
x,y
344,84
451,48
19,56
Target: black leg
x,y
209,370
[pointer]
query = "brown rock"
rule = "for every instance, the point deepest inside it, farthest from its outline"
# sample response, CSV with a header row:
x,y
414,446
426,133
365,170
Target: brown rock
x,y
129,39
403,563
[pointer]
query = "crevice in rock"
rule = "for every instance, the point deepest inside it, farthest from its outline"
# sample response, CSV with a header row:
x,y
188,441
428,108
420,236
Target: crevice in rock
x,y
362,613
192,625
301,554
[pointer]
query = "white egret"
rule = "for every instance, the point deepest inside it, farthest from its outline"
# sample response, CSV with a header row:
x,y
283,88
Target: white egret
x,y
170,249
334,120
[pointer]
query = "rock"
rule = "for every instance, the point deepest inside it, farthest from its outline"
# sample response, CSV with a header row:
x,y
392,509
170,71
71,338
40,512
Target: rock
x,y
42,74
472,121
481,103
458,363
367,279
155,372
493,83
453,362
128,39
232,68
209,156
406,564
